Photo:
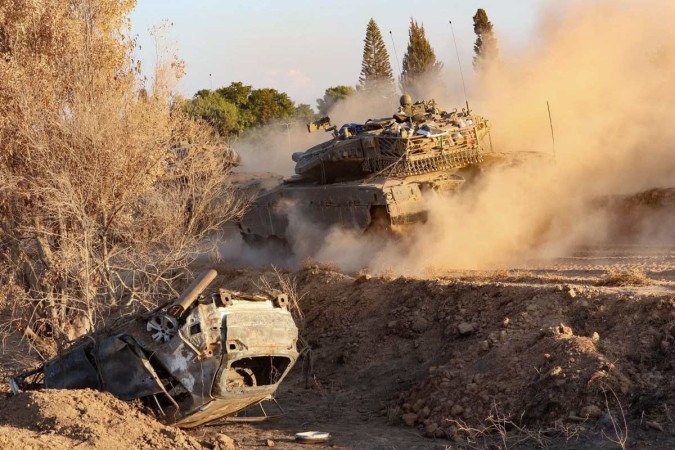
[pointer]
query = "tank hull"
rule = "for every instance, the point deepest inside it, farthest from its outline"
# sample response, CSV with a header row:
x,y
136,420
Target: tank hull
x,y
377,203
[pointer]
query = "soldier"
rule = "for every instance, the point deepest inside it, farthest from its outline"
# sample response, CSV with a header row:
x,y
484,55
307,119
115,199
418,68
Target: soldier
x,y
406,105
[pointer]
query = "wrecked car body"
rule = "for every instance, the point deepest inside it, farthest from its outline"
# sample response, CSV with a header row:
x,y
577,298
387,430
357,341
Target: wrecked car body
x,y
207,355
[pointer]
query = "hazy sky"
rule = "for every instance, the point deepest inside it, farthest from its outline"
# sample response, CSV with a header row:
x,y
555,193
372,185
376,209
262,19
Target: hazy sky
x,y
302,47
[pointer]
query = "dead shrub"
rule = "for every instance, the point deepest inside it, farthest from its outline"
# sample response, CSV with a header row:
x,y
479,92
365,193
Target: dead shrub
x,y
106,189
624,277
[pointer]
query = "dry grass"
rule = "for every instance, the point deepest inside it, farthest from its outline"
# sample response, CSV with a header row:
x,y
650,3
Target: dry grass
x,y
624,277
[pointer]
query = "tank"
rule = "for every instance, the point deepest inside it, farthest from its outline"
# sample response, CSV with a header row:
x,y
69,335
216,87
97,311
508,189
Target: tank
x,y
373,175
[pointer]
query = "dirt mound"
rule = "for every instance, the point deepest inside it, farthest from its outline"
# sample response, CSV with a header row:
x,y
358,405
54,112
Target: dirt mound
x,y
60,419
445,354
396,359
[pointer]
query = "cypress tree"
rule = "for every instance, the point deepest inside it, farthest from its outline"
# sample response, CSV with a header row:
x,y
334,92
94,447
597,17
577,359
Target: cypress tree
x,y
419,62
376,74
485,48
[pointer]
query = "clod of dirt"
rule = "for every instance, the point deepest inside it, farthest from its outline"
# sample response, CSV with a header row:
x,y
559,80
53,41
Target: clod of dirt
x,y
223,442
591,412
65,419
465,329
409,419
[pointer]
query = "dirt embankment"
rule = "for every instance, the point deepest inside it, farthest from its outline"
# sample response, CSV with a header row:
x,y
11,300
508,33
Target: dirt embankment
x,y
411,363
62,420
452,358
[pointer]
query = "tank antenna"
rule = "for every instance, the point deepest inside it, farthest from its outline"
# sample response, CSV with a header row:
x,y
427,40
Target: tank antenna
x,y
459,63
550,121
398,64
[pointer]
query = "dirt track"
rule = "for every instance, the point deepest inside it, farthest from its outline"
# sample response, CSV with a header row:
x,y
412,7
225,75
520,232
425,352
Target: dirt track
x,y
551,352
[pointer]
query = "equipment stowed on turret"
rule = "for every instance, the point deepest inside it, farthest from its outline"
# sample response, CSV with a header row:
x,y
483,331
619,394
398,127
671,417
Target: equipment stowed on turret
x,y
373,174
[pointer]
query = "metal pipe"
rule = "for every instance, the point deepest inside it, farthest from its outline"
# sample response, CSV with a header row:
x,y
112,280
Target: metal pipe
x,y
198,286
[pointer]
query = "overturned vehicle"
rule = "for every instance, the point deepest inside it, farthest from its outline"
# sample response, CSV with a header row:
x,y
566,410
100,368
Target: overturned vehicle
x,y
372,175
207,355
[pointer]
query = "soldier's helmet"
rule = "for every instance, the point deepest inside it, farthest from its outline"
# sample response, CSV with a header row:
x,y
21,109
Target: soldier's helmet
x,y
406,100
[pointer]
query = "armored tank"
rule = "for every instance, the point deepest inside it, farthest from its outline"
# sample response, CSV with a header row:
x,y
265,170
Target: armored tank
x,y
372,175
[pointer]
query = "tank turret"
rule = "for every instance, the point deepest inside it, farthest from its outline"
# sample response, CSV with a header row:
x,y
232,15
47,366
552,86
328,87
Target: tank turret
x,y
419,138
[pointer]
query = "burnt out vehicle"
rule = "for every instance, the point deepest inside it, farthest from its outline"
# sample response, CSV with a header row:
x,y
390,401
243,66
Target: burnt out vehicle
x,y
207,355
372,175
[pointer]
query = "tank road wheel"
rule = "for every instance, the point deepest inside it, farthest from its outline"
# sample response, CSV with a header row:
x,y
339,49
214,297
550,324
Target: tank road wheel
x,y
380,221
253,240
274,243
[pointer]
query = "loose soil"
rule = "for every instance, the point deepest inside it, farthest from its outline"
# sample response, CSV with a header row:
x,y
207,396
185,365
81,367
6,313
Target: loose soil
x,y
566,354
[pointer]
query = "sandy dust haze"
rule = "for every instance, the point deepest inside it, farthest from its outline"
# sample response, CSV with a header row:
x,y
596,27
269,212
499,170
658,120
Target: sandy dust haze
x,y
612,107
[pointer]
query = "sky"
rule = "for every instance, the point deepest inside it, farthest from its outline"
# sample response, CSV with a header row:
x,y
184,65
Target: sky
x,y
302,47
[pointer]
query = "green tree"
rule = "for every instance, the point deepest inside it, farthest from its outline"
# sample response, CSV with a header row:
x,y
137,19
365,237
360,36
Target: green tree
x,y
237,93
218,112
485,48
376,74
331,96
419,62
269,104
304,113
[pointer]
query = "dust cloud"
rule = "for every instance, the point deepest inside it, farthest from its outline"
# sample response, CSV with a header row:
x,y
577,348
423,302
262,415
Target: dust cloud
x,y
606,69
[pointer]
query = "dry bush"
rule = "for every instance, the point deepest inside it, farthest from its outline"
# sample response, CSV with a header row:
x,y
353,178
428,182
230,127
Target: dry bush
x,y
624,277
106,190
276,281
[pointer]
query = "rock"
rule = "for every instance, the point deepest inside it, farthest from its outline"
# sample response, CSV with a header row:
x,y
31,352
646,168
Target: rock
x,y
506,322
472,388
665,345
595,337
430,429
456,410
363,278
269,443
424,413
409,419
465,328
418,405
557,370
419,324
572,293
591,412
485,346
224,442
654,425
564,329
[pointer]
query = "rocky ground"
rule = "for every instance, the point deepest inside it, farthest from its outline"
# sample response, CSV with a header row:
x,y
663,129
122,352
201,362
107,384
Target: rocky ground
x,y
573,353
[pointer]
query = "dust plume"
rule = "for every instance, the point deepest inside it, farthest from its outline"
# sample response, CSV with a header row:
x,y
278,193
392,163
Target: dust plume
x,y
606,69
